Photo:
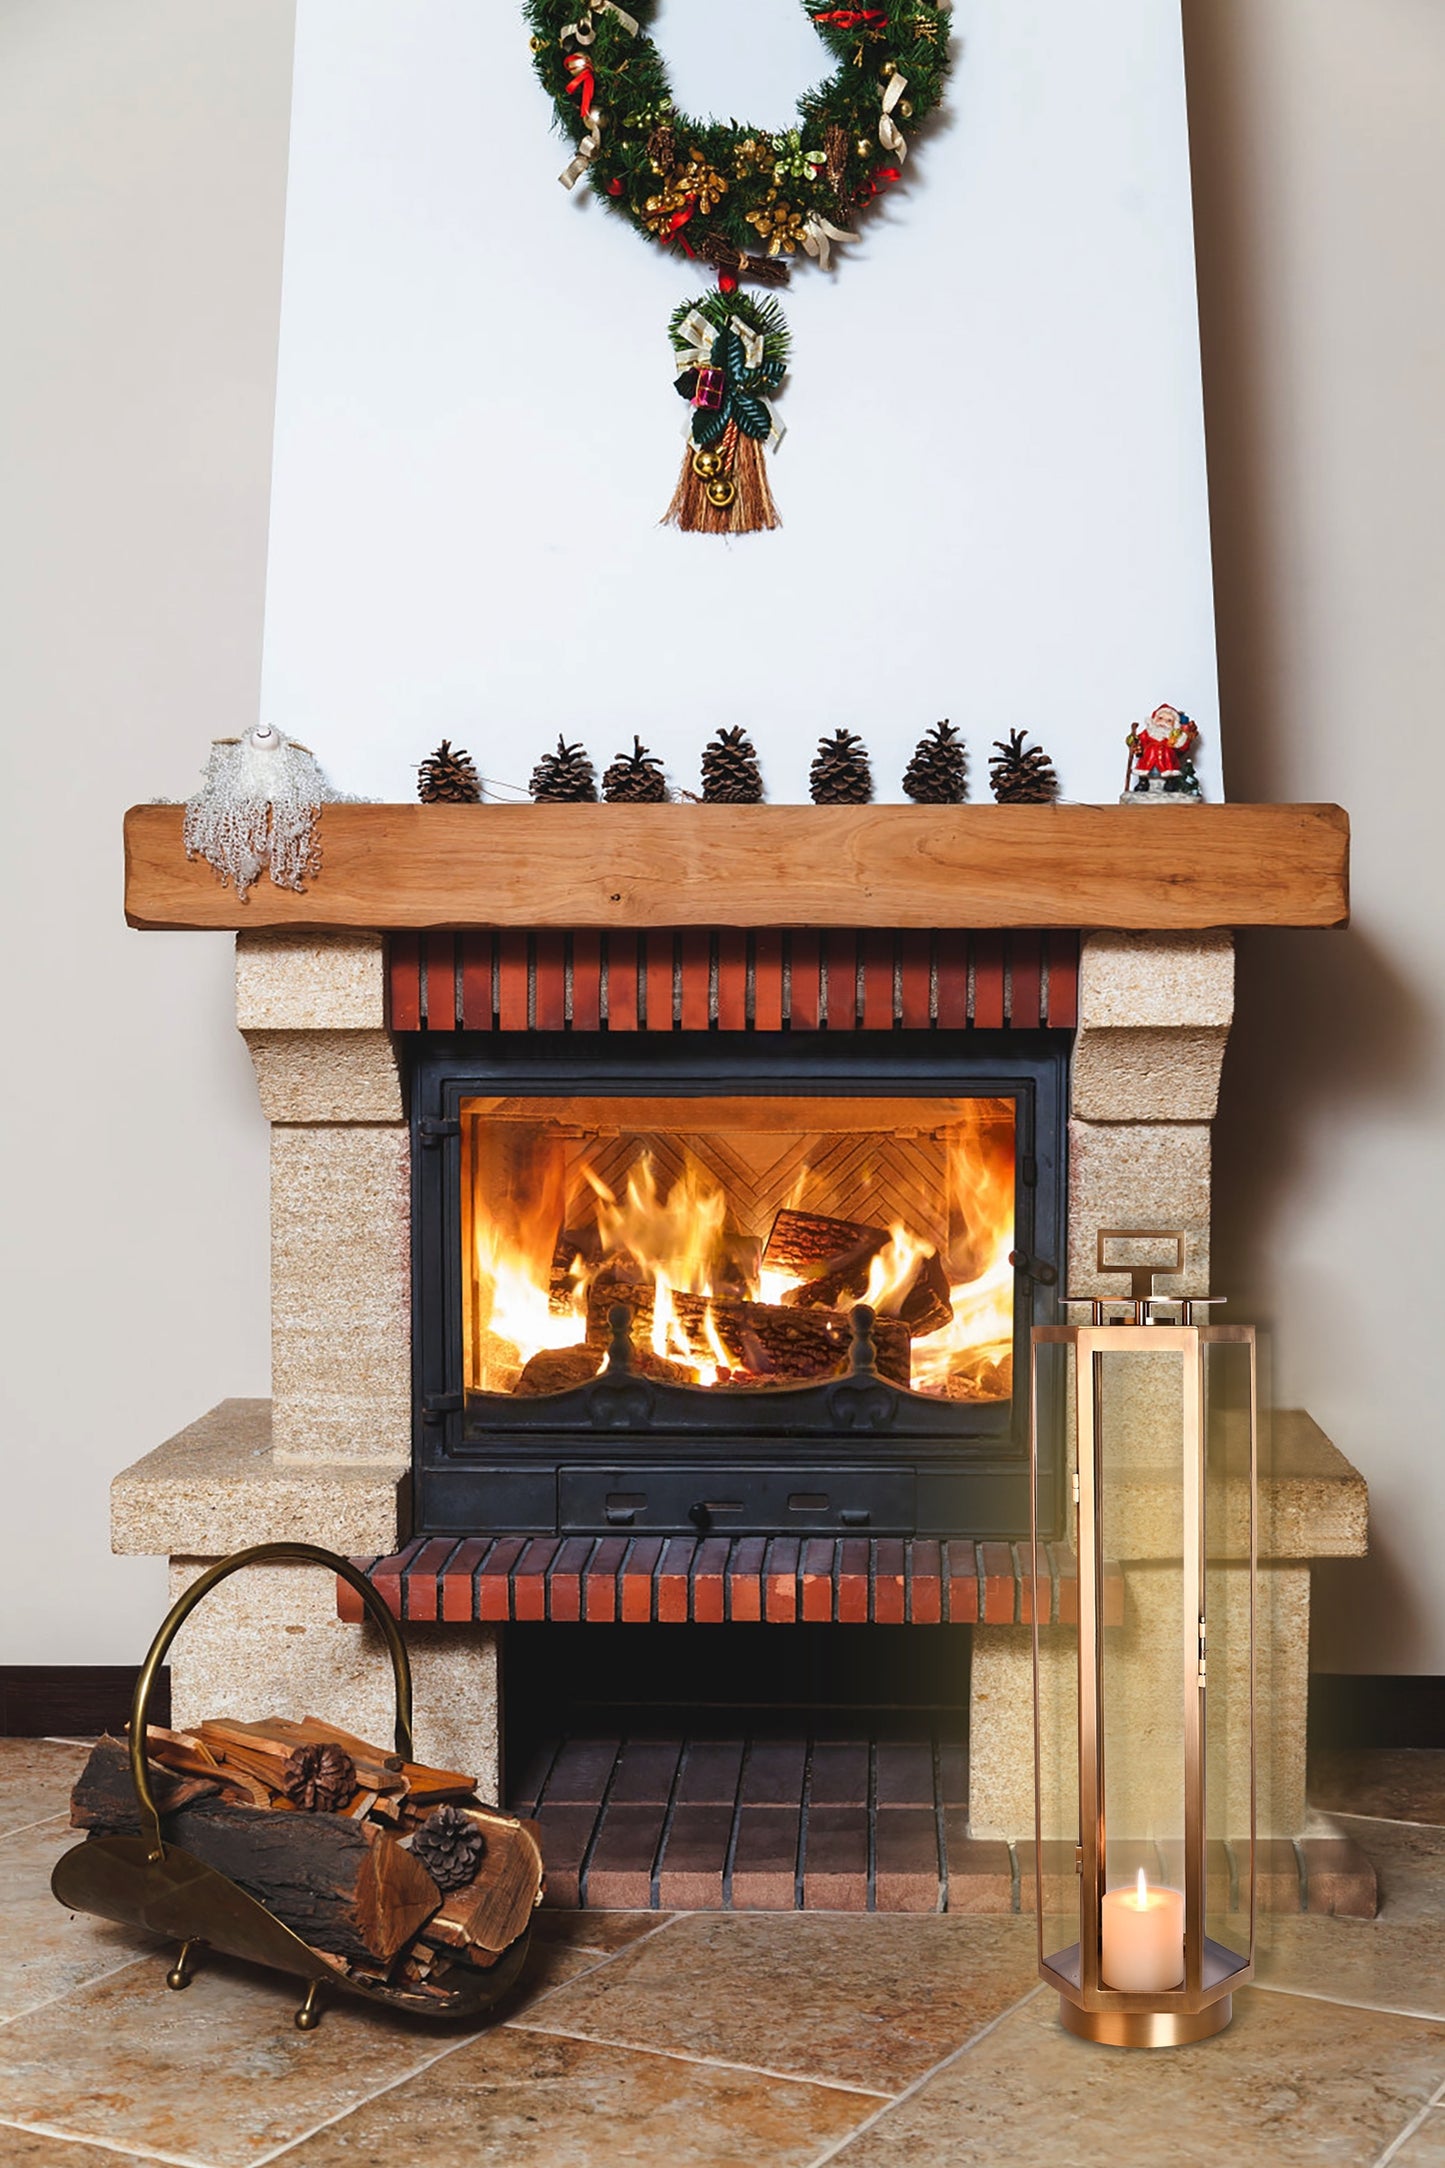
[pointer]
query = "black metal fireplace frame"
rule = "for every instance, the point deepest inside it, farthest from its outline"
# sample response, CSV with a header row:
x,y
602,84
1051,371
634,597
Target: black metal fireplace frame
x,y
660,1460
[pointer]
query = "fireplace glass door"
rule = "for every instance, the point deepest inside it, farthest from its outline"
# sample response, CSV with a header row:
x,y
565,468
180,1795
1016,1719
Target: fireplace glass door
x,y
739,1233
766,1288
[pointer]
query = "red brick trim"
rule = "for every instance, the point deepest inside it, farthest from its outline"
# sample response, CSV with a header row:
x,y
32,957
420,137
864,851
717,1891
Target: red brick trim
x,y
733,981
779,1581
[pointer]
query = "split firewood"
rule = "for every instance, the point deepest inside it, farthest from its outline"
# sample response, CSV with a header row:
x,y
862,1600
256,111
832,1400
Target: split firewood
x,y
376,1769
481,1920
799,1346
189,1756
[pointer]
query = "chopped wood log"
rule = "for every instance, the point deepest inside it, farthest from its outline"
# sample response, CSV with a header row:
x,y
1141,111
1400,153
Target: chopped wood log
x,y
809,1243
926,1305
793,1346
845,1278
481,1920
345,1887
103,1797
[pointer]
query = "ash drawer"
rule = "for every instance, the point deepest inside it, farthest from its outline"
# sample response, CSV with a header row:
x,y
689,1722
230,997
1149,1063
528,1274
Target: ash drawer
x,y
736,1501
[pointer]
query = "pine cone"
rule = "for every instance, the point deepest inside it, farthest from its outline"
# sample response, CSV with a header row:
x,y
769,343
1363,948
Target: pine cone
x,y
635,778
938,771
1021,777
319,1779
840,774
448,777
449,1846
730,771
566,777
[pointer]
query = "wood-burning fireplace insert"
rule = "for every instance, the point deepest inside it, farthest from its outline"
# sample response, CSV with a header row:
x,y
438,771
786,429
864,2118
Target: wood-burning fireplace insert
x,y
747,1285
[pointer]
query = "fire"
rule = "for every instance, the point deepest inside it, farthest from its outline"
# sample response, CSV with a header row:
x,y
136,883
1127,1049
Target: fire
x,y
672,1251
974,1351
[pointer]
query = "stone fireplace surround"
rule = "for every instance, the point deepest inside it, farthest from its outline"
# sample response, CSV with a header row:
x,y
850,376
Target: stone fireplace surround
x,y
327,1459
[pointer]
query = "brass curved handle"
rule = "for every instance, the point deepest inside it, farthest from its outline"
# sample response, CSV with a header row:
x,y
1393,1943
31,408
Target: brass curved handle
x,y
272,1554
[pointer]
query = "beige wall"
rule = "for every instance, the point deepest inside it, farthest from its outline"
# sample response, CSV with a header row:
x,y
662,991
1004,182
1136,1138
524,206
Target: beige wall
x,y
142,166
147,144
1319,161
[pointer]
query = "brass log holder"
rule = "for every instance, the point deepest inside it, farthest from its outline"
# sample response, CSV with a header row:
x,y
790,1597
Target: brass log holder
x,y
1167,1480
151,1884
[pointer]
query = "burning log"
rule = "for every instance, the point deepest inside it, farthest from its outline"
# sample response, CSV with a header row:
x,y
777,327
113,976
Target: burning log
x,y
808,1244
799,1241
792,1346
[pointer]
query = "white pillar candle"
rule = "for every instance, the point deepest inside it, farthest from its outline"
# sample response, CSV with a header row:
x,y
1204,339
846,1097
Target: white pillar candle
x,y
1143,1938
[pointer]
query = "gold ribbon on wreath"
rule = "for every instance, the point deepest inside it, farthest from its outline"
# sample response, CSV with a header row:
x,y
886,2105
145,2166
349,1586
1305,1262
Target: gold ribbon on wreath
x,y
890,135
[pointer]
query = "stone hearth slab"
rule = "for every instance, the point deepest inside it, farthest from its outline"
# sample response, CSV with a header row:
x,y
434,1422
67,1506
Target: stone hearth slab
x,y
216,1487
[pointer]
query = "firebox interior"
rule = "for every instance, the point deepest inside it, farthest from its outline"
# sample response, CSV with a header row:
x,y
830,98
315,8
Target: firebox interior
x,y
739,1233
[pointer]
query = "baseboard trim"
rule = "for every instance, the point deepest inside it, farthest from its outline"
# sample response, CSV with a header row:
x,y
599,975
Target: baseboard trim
x,y
73,1701
1379,1709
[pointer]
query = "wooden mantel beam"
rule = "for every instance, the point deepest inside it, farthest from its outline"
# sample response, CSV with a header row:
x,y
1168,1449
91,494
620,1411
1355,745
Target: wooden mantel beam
x,y
402,867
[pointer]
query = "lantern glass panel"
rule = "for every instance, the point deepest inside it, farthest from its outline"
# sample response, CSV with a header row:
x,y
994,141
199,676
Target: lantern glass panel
x,y
1056,1891
1228,1697
1139,1428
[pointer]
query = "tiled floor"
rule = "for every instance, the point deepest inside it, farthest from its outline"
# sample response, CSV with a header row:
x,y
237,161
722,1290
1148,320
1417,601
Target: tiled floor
x,y
699,2040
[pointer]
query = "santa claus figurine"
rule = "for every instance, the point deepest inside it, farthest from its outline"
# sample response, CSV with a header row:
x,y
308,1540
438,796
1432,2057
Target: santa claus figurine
x,y
1160,762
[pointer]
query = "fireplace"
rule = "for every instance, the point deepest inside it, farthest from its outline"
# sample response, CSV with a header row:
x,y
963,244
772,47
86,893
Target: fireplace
x,y
732,1282
369,1046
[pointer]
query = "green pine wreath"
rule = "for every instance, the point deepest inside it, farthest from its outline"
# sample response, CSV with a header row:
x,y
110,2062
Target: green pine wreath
x,y
748,186
741,199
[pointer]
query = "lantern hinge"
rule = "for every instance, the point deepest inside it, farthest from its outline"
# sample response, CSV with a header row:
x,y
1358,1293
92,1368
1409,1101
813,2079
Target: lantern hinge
x,y
1076,1486
1202,1631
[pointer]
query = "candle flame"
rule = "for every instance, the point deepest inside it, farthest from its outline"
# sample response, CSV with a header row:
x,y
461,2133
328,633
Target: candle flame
x,y
1142,1892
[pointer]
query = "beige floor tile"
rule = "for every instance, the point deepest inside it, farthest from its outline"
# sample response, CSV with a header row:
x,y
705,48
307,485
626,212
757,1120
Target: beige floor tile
x,y
527,2100
1409,1861
1424,2148
35,1780
47,1950
1372,1962
33,2149
1404,1784
870,2002
595,1930
218,2073
1292,2084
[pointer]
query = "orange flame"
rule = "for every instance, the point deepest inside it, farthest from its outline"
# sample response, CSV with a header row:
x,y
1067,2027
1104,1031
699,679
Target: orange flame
x,y
676,1241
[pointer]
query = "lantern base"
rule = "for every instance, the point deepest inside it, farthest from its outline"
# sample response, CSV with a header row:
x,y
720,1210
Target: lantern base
x,y
1146,2028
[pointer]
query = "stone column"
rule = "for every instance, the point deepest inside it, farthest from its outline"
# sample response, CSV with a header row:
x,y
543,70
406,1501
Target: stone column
x,y
328,1459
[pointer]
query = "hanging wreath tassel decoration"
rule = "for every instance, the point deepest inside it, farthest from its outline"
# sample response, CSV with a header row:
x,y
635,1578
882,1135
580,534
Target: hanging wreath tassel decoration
x,y
740,199
730,352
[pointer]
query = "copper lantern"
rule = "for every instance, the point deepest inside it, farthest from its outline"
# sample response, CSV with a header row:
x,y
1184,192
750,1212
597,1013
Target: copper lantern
x,y
1144,1859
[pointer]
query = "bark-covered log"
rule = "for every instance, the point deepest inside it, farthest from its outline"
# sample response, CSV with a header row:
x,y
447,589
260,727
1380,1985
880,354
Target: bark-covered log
x,y
808,1243
764,1338
345,1887
103,1797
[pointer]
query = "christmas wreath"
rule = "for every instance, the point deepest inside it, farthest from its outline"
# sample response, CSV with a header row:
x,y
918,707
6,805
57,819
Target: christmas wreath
x,y
739,199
